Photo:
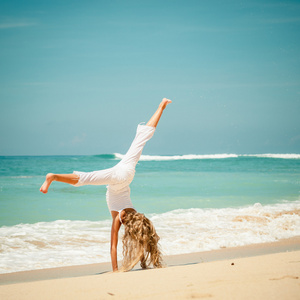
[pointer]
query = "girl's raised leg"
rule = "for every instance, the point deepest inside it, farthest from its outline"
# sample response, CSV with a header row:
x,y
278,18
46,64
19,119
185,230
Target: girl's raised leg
x,y
73,178
156,117
133,154
66,178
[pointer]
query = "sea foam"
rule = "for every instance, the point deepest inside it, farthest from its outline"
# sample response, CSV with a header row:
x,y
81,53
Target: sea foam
x,y
65,243
209,156
278,155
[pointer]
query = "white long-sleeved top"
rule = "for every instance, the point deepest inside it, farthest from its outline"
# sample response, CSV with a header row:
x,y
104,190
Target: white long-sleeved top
x,y
119,177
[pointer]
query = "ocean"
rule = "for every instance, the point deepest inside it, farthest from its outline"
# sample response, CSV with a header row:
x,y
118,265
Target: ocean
x,y
196,202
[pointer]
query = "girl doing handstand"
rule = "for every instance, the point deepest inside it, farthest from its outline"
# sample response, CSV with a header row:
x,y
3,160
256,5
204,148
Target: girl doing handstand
x,y
140,240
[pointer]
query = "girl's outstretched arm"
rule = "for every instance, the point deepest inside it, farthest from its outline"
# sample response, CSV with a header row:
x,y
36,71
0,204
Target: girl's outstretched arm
x,y
156,117
115,227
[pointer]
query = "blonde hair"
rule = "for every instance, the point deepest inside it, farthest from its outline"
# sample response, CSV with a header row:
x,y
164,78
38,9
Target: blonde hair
x,y
140,242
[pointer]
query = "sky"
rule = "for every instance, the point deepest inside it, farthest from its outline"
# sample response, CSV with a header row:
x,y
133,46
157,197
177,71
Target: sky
x,y
76,77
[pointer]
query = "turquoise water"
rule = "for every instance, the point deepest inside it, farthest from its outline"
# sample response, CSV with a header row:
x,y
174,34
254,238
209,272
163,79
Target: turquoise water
x,y
159,185
196,202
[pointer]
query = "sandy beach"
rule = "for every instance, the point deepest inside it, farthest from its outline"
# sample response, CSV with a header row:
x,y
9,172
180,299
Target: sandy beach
x,y
263,271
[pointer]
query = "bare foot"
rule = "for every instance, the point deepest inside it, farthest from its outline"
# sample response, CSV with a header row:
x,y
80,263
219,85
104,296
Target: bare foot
x,y
46,184
164,103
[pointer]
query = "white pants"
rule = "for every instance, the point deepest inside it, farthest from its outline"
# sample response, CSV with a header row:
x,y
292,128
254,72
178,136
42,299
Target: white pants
x,y
120,176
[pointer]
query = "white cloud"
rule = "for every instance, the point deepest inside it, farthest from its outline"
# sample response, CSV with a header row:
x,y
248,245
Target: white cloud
x,y
281,20
78,139
8,25
295,139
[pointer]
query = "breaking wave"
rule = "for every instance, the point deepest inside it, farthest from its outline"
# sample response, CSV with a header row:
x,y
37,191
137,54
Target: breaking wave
x,y
64,243
210,156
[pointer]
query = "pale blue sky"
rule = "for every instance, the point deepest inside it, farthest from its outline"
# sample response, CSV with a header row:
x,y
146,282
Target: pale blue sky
x,y
77,76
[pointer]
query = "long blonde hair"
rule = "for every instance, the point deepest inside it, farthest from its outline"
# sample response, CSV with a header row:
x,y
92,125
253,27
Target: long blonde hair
x,y
140,242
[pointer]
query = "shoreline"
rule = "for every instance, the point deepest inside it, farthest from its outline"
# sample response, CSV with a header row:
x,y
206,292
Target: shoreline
x,y
281,246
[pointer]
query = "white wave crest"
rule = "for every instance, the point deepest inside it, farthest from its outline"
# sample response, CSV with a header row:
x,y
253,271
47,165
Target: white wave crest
x,y
63,243
21,176
181,157
210,156
270,155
